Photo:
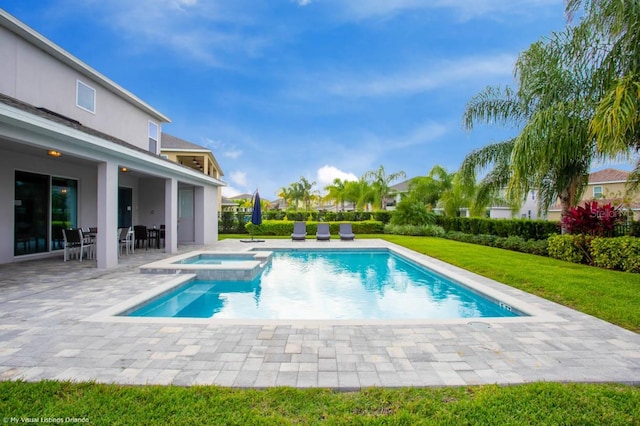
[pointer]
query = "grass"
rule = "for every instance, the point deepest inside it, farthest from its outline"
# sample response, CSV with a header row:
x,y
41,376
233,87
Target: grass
x,y
612,296
537,403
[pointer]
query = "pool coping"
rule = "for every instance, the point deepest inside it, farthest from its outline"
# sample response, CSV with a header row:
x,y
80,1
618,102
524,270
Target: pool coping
x,y
45,335
486,287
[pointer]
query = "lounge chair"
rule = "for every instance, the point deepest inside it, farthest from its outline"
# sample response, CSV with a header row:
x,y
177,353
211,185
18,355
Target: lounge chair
x,y
346,233
299,231
323,233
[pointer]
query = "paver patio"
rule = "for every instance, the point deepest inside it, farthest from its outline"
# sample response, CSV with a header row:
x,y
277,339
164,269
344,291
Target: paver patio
x,y
51,327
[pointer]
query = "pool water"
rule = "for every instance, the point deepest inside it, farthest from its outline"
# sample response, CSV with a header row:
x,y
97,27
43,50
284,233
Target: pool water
x,y
323,284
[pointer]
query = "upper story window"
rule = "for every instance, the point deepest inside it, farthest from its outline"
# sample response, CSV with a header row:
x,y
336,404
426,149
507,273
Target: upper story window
x,y
597,192
85,97
153,137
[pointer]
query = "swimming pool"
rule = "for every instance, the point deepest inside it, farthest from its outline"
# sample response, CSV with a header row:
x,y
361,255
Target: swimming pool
x,y
328,284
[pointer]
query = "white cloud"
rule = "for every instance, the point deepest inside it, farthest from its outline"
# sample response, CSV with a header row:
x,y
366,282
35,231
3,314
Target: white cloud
x,y
302,2
229,191
239,178
222,149
463,9
327,174
435,76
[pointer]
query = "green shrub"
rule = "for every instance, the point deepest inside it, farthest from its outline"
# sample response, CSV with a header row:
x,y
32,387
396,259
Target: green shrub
x,y
525,228
285,227
415,230
622,253
412,212
571,248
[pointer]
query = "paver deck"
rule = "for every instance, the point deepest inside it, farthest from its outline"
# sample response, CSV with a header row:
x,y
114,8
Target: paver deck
x,y
53,326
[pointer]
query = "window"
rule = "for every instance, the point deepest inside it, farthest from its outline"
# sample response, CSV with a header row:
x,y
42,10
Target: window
x,y
44,205
597,192
153,137
85,97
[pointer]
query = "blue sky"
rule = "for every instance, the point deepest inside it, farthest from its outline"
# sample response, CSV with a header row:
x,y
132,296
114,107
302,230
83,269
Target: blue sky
x,y
280,89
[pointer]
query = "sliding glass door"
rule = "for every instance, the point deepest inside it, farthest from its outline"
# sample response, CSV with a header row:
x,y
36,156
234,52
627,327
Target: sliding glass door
x,y
43,206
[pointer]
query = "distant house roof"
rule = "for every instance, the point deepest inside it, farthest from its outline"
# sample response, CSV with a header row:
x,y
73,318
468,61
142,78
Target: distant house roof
x,y
608,175
168,141
241,197
228,202
402,186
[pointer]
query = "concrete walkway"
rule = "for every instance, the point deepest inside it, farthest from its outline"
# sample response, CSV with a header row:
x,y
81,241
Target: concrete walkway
x,y
54,324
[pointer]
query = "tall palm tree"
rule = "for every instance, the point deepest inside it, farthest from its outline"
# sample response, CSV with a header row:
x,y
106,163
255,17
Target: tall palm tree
x,y
552,106
336,192
359,192
285,194
428,189
305,189
380,182
608,38
458,196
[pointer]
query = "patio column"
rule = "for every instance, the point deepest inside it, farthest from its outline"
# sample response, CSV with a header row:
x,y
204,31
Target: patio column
x,y
171,215
107,241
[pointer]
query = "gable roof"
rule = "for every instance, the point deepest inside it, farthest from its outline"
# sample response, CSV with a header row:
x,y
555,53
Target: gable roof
x,y
608,175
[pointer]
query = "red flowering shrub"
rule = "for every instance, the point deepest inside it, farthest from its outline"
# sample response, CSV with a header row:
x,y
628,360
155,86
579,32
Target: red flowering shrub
x,y
593,219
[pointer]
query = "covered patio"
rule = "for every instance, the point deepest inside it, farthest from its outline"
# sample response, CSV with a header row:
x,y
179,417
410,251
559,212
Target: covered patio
x,y
65,175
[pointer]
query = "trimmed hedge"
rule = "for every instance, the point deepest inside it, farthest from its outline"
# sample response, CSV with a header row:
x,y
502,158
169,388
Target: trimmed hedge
x,y
620,253
415,230
285,227
514,243
524,228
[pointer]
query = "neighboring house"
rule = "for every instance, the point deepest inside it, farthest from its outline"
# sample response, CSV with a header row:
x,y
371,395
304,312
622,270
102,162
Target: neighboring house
x,y
608,185
245,199
228,205
77,149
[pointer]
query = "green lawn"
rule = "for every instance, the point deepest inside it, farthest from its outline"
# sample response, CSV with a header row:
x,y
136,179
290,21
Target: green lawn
x,y
610,295
537,403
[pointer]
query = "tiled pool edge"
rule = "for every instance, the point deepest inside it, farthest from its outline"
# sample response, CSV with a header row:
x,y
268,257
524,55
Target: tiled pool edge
x,y
490,288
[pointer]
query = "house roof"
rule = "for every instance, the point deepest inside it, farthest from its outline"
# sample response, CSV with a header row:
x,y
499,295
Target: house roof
x,y
402,186
608,175
171,142
28,34
73,124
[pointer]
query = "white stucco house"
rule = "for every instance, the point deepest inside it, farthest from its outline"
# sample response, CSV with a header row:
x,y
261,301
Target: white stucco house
x,y
78,150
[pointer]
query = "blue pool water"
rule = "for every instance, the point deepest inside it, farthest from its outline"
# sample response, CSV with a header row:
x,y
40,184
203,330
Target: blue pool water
x,y
328,285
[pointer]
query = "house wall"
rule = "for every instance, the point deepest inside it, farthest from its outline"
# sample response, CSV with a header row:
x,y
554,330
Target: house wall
x,y
609,190
150,204
31,75
12,161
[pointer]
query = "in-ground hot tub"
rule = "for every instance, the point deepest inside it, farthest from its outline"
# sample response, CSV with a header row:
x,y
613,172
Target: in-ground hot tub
x,y
224,266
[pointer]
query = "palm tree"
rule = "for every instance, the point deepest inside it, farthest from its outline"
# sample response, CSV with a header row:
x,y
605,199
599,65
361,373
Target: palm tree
x,y
304,189
457,197
552,105
380,181
428,189
285,194
359,192
608,37
336,192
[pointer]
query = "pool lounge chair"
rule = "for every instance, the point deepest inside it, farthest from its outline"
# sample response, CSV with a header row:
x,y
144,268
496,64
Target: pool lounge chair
x,y
299,231
323,233
346,233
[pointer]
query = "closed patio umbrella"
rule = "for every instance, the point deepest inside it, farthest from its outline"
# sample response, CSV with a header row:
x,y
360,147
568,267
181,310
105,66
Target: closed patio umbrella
x,y
256,217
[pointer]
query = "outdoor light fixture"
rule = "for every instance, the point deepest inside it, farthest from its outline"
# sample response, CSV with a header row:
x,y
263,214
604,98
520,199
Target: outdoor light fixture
x,y
124,169
63,190
54,153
